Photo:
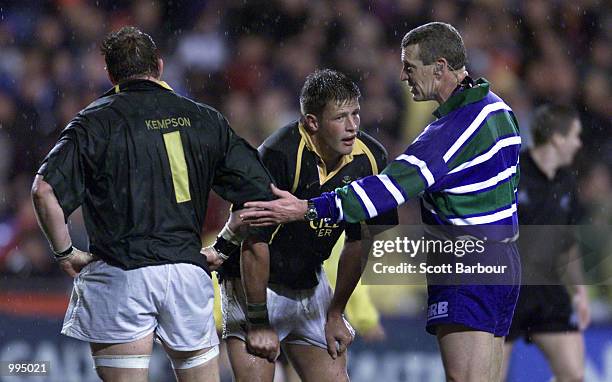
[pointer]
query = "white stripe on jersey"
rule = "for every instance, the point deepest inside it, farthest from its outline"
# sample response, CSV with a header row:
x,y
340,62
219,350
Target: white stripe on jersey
x,y
473,127
339,207
503,175
361,194
485,219
510,141
421,165
397,194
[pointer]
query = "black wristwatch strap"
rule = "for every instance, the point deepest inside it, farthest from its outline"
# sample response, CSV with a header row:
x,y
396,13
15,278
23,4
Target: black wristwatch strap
x,y
63,254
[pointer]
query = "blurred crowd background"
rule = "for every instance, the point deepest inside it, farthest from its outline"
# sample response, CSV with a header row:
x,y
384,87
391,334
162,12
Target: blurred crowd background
x,y
249,59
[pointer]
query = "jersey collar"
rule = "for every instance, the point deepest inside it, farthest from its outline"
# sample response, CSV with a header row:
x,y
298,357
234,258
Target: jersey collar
x,y
467,92
136,85
324,173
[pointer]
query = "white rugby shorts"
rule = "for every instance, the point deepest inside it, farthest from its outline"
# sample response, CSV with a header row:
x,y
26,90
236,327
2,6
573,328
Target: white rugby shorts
x,y
112,305
297,315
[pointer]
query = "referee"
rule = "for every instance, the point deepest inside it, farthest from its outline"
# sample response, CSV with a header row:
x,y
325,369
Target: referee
x,y
141,161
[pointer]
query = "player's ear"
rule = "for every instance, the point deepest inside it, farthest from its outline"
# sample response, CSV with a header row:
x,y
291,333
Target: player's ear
x,y
556,139
312,123
439,67
160,67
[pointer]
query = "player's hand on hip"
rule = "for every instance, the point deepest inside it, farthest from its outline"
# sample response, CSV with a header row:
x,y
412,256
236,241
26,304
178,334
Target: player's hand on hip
x,y
337,334
213,259
286,208
77,261
262,341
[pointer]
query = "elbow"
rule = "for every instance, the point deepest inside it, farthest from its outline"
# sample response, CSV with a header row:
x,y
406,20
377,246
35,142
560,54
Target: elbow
x,y
40,189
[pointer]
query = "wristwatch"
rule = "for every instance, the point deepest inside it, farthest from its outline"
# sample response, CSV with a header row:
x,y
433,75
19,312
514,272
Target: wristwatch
x,y
311,212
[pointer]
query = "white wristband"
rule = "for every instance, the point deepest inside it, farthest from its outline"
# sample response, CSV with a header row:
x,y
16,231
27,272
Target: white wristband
x,y
230,235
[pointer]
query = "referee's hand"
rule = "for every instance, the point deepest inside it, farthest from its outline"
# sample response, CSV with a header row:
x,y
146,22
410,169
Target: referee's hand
x,y
73,265
262,341
285,209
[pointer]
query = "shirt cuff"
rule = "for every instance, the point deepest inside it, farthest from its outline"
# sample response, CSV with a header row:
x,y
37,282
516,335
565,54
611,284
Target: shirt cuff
x,y
326,206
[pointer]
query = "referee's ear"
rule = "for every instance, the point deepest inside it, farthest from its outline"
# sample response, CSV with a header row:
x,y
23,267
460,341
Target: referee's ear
x,y
311,123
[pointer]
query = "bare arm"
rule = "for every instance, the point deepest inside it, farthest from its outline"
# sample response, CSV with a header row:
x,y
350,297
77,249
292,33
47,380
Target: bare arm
x,y
50,215
255,270
350,267
51,220
576,286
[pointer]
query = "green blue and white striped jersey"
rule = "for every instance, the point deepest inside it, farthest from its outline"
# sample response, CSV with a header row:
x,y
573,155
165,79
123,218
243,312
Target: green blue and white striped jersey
x,y
464,166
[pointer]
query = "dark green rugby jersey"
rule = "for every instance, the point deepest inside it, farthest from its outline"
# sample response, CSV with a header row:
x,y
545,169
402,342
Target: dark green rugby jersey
x,y
298,249
141,160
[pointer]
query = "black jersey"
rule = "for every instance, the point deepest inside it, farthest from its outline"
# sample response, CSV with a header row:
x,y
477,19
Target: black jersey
x,y
298,249
141,160
550,205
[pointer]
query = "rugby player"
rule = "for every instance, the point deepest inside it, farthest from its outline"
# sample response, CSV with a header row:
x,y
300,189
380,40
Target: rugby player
x,y
464,169
320,152
546,314
141,161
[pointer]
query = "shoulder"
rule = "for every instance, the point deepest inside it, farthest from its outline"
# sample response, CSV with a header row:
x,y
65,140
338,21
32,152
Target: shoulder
x,y
99,113
99,106
370,143
285,140
373,150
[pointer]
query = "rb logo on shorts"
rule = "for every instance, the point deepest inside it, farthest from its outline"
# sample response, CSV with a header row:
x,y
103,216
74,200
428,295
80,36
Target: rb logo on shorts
x,y
437,310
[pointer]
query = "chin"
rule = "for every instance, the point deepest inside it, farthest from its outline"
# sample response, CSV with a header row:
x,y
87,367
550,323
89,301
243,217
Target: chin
x,y
346,150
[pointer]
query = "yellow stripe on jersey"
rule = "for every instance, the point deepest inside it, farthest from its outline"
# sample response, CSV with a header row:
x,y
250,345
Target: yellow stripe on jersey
x,y
178,166
369,154
298,166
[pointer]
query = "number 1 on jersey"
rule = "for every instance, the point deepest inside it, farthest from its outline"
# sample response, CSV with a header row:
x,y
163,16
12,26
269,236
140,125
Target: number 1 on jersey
x,y
178,166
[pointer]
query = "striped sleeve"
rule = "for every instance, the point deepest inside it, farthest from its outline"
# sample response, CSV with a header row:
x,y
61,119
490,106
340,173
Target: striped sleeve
x,y
467,164
406,177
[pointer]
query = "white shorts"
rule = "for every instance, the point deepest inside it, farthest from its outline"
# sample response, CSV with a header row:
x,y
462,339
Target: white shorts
x,y
112,305
297,315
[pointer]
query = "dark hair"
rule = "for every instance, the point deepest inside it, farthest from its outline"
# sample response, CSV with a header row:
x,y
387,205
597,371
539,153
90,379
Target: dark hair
x,y
129,53
437,40
551,119
323,86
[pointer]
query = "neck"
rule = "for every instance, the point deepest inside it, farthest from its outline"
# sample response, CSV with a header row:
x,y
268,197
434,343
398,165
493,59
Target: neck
x,y
328,156
449,83
545,158
149,78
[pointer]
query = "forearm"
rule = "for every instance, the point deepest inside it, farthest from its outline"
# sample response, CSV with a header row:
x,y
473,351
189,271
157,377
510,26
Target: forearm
x,y
348,275
255,270
50,215
373,195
